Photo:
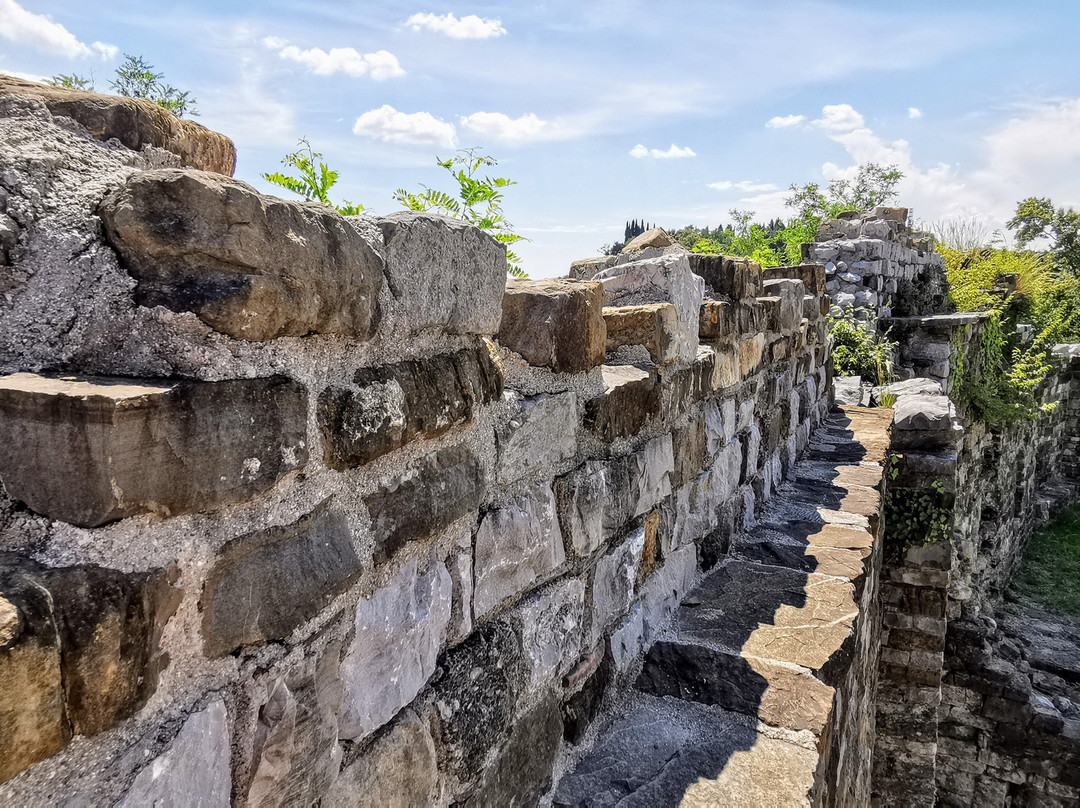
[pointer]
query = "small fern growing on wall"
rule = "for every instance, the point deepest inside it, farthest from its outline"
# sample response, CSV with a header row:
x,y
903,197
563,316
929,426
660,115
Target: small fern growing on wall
x,y
315,178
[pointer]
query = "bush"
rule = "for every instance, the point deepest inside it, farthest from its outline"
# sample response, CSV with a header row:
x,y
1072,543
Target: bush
x,y
858,351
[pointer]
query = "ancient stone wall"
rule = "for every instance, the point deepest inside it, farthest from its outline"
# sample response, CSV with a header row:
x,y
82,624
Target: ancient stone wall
x,y
878,266
298,507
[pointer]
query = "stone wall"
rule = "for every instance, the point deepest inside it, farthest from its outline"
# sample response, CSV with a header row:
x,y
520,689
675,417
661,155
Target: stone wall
x,y
299,507
878,266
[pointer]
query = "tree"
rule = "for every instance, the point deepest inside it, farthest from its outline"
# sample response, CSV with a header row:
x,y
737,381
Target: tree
x,y
478,201
315,180
135,77
873,185
1038,218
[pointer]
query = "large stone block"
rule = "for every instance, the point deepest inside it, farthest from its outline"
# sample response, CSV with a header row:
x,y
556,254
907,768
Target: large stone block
x,y
265,584
194,770
443,273
664,279
295,755
135,122
557,324
399,631
652,325
614,582
250,266
731,278
399,769
550,624
541,432
79,652
428,497
91,451
631,398
476,695
518,544
521,772
390,405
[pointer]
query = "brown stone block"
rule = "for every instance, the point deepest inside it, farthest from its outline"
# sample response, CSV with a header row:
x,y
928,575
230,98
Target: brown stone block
x,y
91,451
631,398
79,652
391,405
716,320
557,324
734,278
265,584
653,325
135,122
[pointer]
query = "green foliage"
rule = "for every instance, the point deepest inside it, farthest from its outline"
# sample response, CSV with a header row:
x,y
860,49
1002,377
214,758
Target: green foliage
x,y
1038,218
314,181
1051,565
859,351
72,81
478,201
915,516
873,185
135,77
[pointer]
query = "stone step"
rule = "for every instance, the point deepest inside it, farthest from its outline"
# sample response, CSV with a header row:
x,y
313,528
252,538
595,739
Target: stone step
x,y
666,751
757,639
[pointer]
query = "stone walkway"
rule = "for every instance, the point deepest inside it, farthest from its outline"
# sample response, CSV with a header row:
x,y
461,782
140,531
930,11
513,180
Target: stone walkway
x,y
752,696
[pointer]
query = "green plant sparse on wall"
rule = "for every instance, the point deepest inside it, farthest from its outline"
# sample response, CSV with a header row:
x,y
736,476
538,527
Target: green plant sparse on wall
x,y
915,516
313,179
135,77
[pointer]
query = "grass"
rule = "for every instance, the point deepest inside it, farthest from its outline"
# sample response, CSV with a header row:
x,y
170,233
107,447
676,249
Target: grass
x,y
1050,574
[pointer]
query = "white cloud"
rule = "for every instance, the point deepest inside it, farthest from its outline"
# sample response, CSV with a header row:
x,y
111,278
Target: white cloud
x,y
839,118
389,125
379,65
785,121
468,27
746,186
502,127
38,30
671,153
914,112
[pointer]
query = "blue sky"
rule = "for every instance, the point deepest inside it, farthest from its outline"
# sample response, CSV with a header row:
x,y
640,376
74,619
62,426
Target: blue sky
x,y
607,110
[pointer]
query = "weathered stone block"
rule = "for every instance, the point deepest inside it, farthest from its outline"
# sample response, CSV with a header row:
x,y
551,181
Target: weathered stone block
x,y
550,624
653,325
400,768
665,279
393,404
476,694
613,583
250,266
521,772
296,755
429,497
518,544
443,273
135,122
631,398
398,633
91,451
733,278
265,584
557,324
79,652
542,432
656,237
194,770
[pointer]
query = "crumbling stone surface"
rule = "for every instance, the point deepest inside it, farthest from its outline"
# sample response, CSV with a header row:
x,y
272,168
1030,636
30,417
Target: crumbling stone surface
x,y
92,450
204,243
135,122
554,323
391,405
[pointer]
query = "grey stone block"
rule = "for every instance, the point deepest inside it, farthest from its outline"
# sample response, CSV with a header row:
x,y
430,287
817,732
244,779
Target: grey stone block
x,y
541,433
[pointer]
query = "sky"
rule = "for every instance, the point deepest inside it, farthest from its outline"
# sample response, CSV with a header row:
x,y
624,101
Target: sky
x,y
609,110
